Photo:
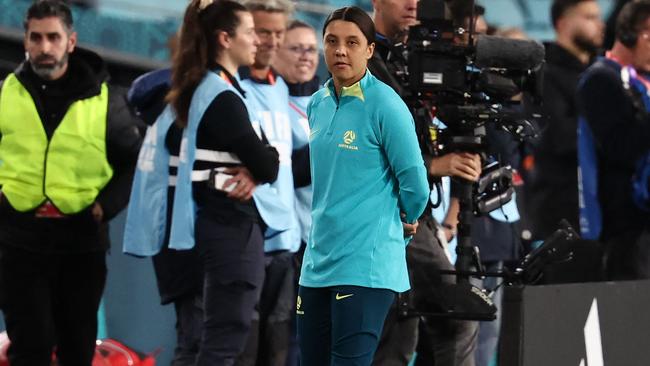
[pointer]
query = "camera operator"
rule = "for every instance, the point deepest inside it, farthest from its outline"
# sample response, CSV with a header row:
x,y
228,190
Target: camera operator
x,y
450,342
494,233
613,99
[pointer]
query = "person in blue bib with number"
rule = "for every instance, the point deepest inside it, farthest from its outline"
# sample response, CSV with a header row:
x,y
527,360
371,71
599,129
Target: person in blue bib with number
x,y
196,176
370,186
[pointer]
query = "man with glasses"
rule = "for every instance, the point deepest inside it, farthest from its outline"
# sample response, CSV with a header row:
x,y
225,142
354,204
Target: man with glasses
x,y
268,97
615,127
296,62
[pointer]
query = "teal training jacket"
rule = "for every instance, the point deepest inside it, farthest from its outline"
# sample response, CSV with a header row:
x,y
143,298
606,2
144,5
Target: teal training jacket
x,y
366,168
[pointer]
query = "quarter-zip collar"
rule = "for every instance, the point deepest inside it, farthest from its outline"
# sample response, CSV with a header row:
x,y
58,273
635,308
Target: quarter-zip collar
x,y
355,90
348,93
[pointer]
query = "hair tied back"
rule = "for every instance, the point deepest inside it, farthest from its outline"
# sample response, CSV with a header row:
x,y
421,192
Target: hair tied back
x,y
204,4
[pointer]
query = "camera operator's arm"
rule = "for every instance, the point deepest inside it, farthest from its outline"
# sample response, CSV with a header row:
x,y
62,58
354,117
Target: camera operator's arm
x,y
462,165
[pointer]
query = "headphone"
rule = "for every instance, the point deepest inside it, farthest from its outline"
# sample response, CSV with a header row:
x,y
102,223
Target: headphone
x,y
626,32
627,36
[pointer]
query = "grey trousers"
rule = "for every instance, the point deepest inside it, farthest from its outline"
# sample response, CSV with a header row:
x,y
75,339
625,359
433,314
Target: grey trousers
x,y
443,342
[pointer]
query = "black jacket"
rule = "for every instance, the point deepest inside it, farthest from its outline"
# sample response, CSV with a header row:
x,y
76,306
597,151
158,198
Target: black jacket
x,y
554,188
79,232
300,164
378,67
621,138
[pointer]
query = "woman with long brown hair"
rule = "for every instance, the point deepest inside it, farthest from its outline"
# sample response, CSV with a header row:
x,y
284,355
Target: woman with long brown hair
x,y
205,147
217,37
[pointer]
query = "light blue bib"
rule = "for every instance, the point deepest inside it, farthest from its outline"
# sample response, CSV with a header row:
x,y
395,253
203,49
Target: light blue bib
x,y
300,134
146,217
269,104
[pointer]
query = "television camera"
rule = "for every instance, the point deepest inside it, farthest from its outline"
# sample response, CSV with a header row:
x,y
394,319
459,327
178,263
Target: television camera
x,y
467,83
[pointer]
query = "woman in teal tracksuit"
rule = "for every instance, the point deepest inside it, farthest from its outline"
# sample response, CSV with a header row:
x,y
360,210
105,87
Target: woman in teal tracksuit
x,y
367,171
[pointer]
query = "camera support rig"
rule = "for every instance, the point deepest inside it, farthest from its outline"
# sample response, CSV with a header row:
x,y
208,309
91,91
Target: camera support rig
x,y
470,85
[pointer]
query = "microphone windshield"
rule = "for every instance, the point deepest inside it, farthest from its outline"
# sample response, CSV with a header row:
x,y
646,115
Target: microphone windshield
x,y
515,54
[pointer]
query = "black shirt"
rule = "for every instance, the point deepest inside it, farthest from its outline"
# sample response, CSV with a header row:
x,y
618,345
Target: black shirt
x,y
300,164
225,126
554,187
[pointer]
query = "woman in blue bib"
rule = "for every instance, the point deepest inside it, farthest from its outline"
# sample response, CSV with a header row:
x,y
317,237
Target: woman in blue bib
x,y
368,175
217,159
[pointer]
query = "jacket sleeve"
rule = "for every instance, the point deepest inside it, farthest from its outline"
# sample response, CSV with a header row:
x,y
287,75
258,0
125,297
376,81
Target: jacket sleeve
x,y
123,140
560,132
238,136
402,150
300,166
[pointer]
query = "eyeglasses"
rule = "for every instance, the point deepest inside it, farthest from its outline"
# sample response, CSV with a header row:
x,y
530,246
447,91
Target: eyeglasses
x,y
300,50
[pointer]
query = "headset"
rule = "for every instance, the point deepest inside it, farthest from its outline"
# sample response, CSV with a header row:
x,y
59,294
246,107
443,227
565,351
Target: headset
x,y
626,32
627,35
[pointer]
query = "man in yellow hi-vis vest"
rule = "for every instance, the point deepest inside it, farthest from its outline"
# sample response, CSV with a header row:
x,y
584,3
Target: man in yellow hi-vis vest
x,y
68,146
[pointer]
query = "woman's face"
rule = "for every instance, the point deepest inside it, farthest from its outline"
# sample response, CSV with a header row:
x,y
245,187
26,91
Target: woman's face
x,y
298,57
244,43
346,52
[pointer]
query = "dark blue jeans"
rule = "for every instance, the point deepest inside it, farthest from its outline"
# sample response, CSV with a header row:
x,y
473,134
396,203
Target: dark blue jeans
x,y
340,325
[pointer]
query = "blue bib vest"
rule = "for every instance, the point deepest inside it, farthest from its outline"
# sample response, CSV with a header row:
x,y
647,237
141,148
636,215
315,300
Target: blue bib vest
x,y
270,105
300,135
146,215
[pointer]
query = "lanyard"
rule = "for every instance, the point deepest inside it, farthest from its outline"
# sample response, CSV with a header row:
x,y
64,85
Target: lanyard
x,y
297,109
628,71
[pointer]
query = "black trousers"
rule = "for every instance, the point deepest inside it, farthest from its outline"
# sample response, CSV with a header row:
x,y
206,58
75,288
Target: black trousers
x,y
51,300
269,339
232,254
189,322
627,255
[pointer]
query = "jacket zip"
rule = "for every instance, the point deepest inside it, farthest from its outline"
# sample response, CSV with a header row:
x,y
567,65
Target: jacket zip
x,y
330,128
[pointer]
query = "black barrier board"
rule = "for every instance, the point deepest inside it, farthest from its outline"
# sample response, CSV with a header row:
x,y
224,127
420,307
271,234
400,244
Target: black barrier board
x,y
590,324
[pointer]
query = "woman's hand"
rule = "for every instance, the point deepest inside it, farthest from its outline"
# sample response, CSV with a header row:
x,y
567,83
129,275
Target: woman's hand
x,y
243,181
409,229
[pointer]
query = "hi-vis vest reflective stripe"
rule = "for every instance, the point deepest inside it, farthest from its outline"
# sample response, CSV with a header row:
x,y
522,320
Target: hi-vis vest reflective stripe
x,y
70,169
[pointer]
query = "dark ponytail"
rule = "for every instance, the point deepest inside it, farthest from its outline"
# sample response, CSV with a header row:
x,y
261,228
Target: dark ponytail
x,y
197,49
